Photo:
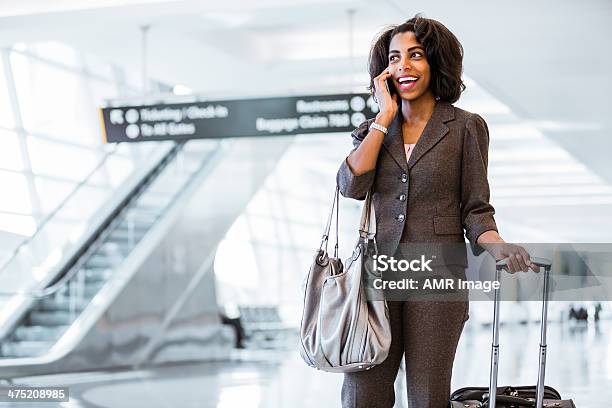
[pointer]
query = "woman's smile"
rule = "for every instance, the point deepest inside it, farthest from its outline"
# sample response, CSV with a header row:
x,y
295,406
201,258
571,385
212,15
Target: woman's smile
x,y
407,82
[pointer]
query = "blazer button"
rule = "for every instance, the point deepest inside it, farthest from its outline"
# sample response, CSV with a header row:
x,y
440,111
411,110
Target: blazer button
x,y
400,217
402,197
404,177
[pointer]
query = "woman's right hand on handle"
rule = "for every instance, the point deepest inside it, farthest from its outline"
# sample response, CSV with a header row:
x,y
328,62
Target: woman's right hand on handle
x,y
518,258
387,103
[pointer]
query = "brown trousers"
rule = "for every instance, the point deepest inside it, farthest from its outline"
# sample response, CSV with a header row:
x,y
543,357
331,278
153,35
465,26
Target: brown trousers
x,y
427,333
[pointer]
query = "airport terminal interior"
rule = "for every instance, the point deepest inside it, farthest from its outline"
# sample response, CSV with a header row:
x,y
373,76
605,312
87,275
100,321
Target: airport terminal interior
x,y
169,272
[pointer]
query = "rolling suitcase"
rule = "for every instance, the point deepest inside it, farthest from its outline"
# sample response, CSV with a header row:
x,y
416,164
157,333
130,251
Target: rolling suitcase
x,y
538,396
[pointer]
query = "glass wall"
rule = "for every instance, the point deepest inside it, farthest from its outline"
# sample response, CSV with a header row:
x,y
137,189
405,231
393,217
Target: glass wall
x,y
50,138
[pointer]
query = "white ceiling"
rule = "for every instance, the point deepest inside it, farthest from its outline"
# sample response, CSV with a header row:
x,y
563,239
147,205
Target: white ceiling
x,y
547,61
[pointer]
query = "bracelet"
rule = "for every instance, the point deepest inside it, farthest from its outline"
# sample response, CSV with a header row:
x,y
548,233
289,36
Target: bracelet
x,y
376,126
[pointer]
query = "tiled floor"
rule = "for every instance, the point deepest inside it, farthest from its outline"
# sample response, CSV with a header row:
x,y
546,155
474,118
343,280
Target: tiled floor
x,y
579,366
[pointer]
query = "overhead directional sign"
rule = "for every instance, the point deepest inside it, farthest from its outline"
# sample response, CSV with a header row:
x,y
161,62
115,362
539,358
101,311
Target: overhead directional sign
x,y
237,118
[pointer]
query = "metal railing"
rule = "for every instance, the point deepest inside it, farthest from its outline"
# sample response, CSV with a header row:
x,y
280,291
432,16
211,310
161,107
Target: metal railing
x,y
57,208
36,255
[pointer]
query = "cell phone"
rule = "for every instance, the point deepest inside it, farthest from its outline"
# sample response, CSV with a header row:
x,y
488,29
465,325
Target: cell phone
x,y
391,86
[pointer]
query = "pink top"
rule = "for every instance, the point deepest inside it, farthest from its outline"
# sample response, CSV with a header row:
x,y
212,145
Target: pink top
x,y
409,147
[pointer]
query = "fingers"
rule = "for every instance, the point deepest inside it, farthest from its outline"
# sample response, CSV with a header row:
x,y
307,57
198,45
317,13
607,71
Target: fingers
x,y
381,80
382,94
520,260
523,259
527,258
513,263
535,268
385,74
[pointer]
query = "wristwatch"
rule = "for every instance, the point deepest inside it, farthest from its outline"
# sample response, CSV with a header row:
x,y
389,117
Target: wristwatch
x,y
375,125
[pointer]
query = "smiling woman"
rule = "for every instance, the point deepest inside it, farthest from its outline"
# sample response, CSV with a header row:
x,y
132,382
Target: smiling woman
x,y
436,51
424,163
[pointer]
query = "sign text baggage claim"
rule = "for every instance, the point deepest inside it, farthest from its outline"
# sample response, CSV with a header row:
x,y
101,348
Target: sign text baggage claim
x,y
302,122
309,121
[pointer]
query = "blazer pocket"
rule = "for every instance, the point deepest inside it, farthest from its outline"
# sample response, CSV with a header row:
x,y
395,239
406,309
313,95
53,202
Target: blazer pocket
x,y
447,224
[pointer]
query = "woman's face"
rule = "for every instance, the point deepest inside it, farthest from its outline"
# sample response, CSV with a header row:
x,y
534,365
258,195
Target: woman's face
x,y
407,62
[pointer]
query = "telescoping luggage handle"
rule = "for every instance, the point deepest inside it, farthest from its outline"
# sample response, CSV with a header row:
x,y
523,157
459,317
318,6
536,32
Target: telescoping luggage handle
x,y
500,265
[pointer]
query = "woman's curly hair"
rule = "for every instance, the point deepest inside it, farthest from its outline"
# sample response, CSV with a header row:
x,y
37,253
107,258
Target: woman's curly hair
x,y
443,51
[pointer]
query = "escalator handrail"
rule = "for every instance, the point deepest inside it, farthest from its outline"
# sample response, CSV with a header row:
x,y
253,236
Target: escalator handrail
x,y
52,214
68,270
74,258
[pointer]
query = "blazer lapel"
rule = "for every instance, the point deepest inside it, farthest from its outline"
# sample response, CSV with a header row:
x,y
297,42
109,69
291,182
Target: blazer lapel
x,y
394,141
434,131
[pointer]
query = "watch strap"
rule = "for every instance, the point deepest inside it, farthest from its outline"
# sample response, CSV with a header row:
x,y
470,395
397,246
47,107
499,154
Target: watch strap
x,y
376,126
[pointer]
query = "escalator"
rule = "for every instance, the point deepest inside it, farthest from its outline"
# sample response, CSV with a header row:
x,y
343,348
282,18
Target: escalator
x,y
140,289
57,306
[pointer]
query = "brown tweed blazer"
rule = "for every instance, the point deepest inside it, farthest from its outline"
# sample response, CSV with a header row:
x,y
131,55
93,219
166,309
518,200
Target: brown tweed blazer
x,y
440,192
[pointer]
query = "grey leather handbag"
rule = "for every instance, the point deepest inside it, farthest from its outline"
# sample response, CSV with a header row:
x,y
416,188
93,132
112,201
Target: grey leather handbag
x,y
341,331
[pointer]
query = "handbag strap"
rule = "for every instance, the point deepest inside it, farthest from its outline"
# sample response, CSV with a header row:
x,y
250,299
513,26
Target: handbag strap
x,y
367,226
325,238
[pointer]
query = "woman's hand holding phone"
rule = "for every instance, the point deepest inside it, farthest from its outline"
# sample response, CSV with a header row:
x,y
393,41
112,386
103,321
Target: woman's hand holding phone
x,y
387,100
